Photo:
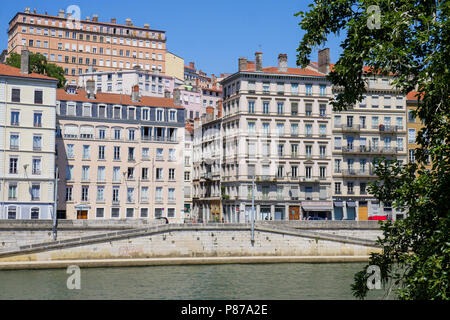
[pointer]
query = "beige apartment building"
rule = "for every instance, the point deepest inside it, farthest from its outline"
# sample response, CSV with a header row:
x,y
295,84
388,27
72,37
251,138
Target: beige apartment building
x,y
276,130
27,143
106,46
372,129
119,156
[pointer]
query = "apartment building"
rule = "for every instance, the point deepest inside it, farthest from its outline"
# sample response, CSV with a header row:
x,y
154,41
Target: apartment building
x,y
372,129
415,125
119,156
27,143
76,45
276,130
207,166
195,77
188,170
122,82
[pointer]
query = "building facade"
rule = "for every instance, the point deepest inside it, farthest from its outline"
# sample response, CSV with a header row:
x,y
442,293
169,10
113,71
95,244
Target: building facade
x,y
372,129
76,45
207,167
122,82
276,130
119,156
27,143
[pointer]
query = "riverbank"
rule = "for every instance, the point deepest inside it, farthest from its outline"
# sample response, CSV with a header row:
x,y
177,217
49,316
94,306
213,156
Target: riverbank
x,y
102,263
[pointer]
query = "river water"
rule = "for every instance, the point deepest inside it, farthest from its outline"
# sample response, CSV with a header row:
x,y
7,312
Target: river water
x,y
287,281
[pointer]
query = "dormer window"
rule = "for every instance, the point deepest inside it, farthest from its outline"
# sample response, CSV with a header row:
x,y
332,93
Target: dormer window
x,y
159,115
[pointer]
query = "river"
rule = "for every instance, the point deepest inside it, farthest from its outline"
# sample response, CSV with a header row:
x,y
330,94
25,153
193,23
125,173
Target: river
x,y
287,281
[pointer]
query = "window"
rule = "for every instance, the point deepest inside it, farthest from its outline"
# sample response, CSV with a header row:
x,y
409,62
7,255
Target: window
x,y
266,107
308,130
100,193
131,134
308,172
69,173
251,107
100,213
85,173
294,108
158,195
337,187
36,166
308,88
37,119
131,154
34,213
171,213
412,155
101,152
308,109
115,197
117,134
130,195
14,141
35,192
159,115
144,194
101,174
15,118
130,173
280,107
171,174
86,152
322,110
171,194
12,191
172,155
144,212
144,173
15,95
12,213
350,187
323,172
159,173
38,96
37,142
13,165
70,151
322,90
411,135
115,212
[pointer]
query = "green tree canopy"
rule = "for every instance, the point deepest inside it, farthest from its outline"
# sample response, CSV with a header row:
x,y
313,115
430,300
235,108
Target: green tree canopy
x,y
409,41
39,64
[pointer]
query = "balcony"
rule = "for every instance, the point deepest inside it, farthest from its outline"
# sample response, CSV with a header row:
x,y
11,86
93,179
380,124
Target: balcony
x,y
357,173
370,150
349,127
389,129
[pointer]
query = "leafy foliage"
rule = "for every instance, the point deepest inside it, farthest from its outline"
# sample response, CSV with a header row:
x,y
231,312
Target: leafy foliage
x,y
411,45
39,64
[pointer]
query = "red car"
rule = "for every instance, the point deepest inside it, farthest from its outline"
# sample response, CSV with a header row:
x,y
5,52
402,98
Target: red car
x,y
384,218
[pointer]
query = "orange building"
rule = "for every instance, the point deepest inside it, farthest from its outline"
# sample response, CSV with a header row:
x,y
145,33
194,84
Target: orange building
x,y
77,46
414,126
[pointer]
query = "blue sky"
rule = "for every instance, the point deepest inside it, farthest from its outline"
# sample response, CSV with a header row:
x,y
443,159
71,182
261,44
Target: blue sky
x,y
213,34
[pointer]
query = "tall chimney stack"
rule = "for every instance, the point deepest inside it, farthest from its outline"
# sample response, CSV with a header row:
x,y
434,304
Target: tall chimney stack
x,y
25,61
177,97
324,60
282,62
135,93
242,64
258,61
90,88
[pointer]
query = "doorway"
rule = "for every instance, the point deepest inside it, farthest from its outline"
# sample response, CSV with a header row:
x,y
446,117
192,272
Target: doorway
x,y
82,214
294,213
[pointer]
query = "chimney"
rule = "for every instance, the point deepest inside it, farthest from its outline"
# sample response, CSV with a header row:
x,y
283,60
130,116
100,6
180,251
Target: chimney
x,y
27,10
192,65
166,94
128,22
282,62
258,61
88,18
324,60
177,97
242,64
146,26
25,61
209,110
90,88
95,18
113,20
135,93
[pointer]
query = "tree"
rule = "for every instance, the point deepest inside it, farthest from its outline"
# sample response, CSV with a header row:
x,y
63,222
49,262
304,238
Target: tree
x,y
408,39
39,64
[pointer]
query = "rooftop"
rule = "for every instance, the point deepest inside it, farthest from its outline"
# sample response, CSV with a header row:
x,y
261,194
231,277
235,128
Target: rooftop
x,y
113,98
6,70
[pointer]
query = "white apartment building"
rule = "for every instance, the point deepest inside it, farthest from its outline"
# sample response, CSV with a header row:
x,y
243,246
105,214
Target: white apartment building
x,y
276,129
371,129
27,143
